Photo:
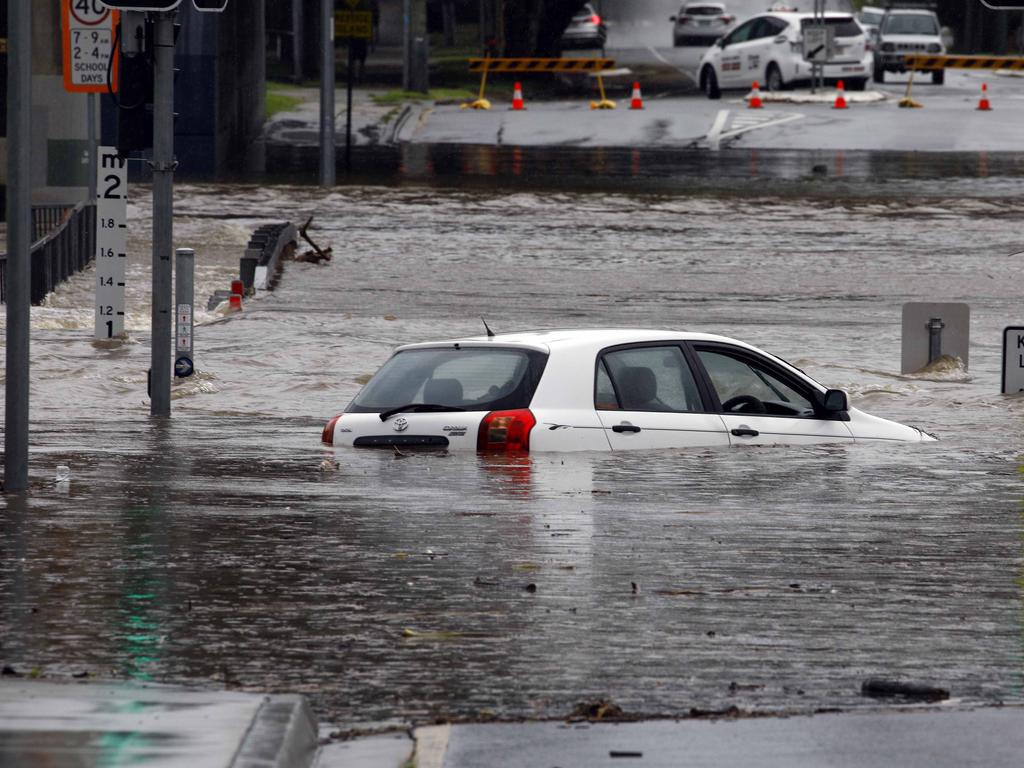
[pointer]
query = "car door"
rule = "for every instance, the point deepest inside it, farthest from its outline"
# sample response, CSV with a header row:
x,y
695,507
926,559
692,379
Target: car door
x,y
733,45
762,403
756,52
647,396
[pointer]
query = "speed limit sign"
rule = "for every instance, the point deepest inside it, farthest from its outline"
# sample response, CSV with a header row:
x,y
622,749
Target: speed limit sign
x,y
89,55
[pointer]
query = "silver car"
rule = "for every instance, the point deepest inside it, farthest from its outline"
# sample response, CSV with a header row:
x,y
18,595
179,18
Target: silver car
x,y
700,24
585,30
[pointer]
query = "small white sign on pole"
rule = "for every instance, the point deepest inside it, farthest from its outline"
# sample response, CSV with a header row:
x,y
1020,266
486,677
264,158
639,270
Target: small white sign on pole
x,y
111,242
1013,360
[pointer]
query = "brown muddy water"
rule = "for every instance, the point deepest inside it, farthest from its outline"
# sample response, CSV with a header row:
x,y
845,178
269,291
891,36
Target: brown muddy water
x,y
228,547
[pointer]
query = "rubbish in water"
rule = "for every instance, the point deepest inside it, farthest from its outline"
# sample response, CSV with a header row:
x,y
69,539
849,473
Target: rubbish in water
x,y
624,753
881,688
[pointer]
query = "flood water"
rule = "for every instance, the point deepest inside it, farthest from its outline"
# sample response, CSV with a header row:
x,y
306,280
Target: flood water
x,y
228,547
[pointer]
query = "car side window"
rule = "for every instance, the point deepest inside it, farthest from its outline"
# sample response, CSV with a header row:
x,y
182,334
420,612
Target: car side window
x,y
655,378
741,34
771,27
745,385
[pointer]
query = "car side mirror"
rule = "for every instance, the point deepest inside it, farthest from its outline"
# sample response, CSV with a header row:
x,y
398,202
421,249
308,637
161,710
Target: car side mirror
x,y
835,401
671,18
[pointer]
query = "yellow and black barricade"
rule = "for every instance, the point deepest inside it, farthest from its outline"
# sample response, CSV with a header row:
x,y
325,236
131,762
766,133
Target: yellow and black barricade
x,y
530,65
921,62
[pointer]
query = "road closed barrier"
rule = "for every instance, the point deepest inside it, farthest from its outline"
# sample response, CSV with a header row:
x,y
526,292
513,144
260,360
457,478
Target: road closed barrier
x,y
920,62
529,65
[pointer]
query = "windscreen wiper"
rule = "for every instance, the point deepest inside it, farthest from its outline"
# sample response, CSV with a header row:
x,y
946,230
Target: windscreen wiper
x,y
418,408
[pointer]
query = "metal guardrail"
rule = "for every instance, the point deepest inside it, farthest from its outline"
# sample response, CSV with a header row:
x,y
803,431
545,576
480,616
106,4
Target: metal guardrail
x,y
63,243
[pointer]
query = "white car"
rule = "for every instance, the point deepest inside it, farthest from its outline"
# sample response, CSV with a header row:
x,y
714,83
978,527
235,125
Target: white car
x,y
700,24
768,48
598,390
904,32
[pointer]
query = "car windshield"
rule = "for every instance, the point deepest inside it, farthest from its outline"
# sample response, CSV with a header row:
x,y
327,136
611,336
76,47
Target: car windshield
x,y
870,18
910,24
844,26
468,378
703,10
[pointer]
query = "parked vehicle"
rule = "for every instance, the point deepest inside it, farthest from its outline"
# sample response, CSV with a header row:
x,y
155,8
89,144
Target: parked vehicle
x,y
905,31
586,30
700,24
769,48
582,390
870,18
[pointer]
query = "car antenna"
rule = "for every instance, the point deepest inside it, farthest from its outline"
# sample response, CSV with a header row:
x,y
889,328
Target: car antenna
x,y
490,333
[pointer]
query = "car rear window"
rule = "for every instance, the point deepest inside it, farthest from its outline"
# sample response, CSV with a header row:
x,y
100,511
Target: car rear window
x,y
703,10
844,26
472,378
910,24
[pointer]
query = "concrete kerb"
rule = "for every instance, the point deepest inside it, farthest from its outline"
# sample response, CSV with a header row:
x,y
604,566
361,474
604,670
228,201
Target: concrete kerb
x,y
283,733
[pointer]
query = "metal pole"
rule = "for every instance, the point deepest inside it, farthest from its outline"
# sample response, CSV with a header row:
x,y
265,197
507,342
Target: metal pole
x,y
406,44
935,326
91,103
163,213
327,169
19,243
348,113
297,37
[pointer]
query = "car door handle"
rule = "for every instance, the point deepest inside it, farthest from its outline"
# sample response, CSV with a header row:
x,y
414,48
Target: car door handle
x,y
625,428
745,432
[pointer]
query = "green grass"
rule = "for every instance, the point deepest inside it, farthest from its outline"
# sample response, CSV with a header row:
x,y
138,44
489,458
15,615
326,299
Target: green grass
x,y
278,101
436,94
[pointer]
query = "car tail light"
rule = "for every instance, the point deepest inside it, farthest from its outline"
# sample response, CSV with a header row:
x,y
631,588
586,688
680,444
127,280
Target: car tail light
x,y
725,18
506,431
328,434
685,19
595,19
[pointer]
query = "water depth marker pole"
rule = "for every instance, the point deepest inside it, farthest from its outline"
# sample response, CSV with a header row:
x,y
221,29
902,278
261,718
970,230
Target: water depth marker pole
x,y
19,244
163,212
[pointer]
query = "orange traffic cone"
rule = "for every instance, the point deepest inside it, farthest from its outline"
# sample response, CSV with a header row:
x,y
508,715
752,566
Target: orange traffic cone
x,y
840,96
637,101
517,97
983,105
754,98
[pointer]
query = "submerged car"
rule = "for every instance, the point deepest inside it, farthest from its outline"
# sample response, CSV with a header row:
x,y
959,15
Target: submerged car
x,y
598,390
585,30
700,24
768,48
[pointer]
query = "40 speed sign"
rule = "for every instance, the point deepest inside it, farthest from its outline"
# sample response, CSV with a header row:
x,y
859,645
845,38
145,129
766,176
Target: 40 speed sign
x,y
88,46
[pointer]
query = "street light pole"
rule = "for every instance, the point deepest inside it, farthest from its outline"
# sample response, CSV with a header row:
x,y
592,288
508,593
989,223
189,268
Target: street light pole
x,y
19,244
327,169
163,213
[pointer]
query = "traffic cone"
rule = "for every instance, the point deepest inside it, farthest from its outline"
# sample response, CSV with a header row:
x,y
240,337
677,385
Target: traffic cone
x,y
517,97
983,105
637,101
754,98
840,96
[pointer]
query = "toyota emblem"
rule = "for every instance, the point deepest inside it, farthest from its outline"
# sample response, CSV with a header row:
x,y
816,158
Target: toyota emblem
x,y
400,424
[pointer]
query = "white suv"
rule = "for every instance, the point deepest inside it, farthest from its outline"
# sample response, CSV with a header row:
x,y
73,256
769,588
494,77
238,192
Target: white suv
x,y
903,32
769,48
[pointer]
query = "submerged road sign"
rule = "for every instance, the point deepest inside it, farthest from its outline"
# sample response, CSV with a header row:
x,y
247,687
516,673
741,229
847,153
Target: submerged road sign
x,y
88,40
1013,360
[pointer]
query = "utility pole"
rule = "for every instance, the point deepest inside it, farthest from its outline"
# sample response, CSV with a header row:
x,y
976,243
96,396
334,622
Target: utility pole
x,y
297,37
163,212
19,244
327,168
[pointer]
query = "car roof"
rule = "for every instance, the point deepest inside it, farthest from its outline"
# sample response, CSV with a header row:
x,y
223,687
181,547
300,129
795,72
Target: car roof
x,y
704,5
568,338
910,12
798,15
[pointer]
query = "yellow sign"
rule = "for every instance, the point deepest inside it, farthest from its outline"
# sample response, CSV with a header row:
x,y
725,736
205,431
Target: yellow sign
x,y
3,45
353,24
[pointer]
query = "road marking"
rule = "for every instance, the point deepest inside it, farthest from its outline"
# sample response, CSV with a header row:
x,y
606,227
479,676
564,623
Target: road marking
x,y
668,63
749,124
715,134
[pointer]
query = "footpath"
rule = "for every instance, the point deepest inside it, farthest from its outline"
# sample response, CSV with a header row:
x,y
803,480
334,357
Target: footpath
x,y
94,724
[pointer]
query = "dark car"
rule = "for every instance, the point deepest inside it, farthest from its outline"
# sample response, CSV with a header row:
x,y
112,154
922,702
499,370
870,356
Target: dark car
x,y
586,30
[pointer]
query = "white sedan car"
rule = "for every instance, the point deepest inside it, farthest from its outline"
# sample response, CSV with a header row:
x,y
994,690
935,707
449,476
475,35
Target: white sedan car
x,y
598,390
768,48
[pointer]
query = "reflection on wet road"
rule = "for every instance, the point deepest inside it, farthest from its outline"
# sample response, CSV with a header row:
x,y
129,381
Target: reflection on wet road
x,y
228,547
